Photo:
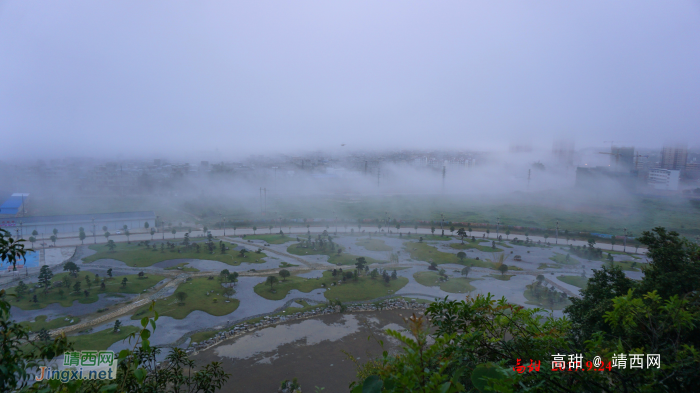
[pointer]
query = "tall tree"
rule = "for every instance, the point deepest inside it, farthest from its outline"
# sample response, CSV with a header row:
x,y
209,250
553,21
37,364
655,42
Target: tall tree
x,y
674,267
271,280
360,263
461,255
465,271
72,268
284,273
45,275
181,296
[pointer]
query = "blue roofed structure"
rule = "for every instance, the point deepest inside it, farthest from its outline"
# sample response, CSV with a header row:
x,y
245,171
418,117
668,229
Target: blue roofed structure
x,y
13,204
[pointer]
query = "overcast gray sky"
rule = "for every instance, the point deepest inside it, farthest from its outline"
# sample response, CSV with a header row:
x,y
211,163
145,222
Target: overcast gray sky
x,y
248,77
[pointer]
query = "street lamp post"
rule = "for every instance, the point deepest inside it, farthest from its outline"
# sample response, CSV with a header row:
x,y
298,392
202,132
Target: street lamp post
x,y
223,224
498,223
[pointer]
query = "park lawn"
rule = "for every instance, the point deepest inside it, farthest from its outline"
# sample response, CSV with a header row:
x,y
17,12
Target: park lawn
x,y
134,285
428,253
101,340
349,259
40,323
502,277
197,299
561,258
139,256
474,245
286,264
531,299
363,289
453,285
333,257
373,244
577,281
183,266
548,266
271,238
301,284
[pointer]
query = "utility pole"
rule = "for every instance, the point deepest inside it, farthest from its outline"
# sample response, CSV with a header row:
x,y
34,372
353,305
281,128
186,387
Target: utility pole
x,y
498,222
624,242
557,234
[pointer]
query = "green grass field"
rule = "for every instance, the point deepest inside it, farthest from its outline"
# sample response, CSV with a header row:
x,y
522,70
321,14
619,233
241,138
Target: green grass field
x,y
474,245
561,259
134,255
502,277
428,253
453,285
333,257
40,322
113,286
271,239
365,288
183,266
373,244
197,299
577,281
101,340
549,266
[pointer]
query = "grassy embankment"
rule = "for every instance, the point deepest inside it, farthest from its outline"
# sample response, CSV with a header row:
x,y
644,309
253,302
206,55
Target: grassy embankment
x,y
333,257
271,239
112,286
41,323
197,299
577,281
453,285
468,245
101,340
428,253
373,244
365,288
140,256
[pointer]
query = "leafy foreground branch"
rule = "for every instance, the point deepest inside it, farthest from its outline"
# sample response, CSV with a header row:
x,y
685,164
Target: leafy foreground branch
x,y
478,341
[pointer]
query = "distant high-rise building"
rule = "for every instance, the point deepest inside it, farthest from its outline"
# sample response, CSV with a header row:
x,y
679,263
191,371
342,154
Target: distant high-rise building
x,y
622,158
564,152
674,157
